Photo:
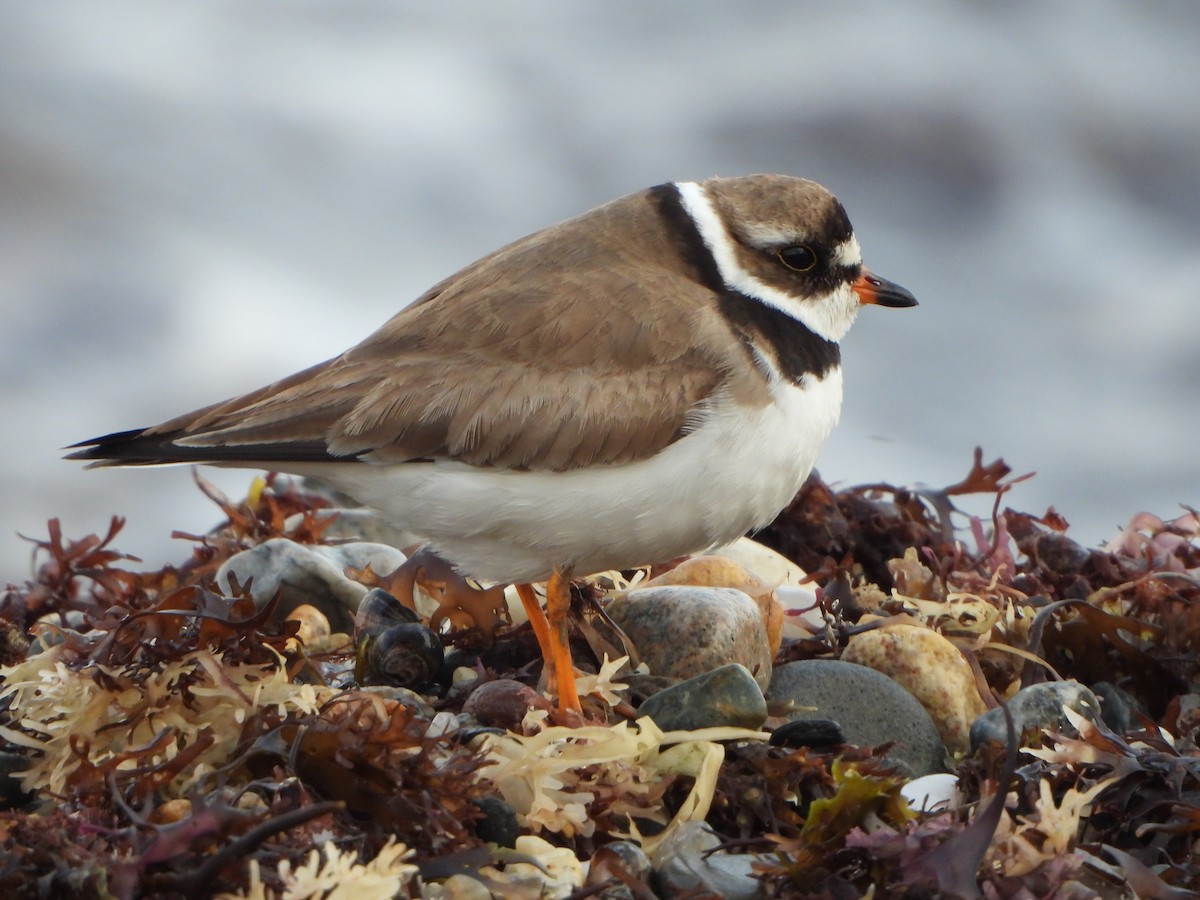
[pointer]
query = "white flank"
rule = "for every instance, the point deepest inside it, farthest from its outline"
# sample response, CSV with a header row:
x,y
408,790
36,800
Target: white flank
x,y
732,474
830,316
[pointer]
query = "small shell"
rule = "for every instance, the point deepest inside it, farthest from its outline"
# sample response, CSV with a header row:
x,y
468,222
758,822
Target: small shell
x,y
378,611
406,655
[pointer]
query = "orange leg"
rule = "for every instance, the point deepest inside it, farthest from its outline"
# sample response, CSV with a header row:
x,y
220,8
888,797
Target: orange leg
x,y
550,629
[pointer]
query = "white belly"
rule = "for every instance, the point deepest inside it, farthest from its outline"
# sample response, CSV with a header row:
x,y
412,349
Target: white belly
x,y
733,474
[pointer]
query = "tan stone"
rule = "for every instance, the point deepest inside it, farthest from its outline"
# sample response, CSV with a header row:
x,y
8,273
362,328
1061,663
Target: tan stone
x,y
932,670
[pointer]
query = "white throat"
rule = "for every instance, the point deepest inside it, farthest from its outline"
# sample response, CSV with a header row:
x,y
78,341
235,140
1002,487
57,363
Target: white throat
x,y
829,317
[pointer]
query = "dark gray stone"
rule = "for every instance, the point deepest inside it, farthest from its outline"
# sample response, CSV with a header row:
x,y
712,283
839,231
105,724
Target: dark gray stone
x,y
1039,706
869,707
1119,707
499,823
808,733
12,794
727,695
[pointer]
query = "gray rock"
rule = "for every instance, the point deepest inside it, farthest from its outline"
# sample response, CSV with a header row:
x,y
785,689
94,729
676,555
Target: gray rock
x,y
1119,707
362,524
305,573
1039,706
728,695
613,865
869,707
683,867
683,631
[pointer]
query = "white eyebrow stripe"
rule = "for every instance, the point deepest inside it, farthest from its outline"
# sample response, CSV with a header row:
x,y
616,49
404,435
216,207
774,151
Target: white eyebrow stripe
x,y
716,238
828,318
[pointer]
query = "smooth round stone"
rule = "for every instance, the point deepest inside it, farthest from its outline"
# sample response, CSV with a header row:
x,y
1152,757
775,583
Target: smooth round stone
x,y
769,565
309,573
684,868
931,669
727,695
869,707
1039,706
625,855
722,572
931,793
683,631
815,733
360,524
1119,707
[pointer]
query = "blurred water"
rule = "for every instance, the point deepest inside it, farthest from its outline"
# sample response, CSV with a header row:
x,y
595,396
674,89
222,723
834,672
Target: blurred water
x,y
196,199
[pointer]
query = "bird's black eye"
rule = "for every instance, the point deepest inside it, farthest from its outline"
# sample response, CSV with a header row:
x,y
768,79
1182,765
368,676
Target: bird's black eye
x,y
798,257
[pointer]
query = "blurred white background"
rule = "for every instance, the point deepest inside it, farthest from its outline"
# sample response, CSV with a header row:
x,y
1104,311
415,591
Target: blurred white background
x,y
196,199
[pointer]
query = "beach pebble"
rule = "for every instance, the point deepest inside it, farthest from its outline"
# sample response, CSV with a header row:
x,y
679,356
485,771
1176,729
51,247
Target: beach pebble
x,y
623,857
815,733
1119,707
355,524
305,573
722,572
931,669
684,631
502,703
869,707
1038,706
727,695
685,865
931,793
769,565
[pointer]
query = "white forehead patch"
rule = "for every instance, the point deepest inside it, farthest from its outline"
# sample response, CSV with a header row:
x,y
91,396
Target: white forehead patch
x,y
829,317
848,253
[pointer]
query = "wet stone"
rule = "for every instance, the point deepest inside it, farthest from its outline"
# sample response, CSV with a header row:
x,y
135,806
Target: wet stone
x,y
870,709
815,733
686,866
1040,707
312,574
684,631
727,695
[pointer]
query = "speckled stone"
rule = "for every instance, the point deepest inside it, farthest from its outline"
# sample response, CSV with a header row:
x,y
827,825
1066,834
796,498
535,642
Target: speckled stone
x,y
931,669
1038,706
870,708
311,574
727,695
722,572
684,631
